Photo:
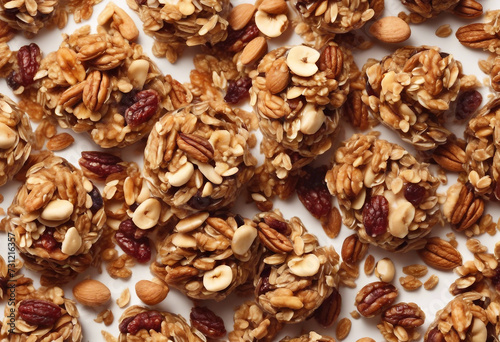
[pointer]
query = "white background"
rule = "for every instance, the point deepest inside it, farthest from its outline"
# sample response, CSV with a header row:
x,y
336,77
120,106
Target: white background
x,y
429,301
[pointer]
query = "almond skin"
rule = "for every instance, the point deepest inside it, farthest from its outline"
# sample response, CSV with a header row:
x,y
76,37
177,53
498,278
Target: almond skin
x,y
240,16
274,6
91,292
254,50
391,30
150,293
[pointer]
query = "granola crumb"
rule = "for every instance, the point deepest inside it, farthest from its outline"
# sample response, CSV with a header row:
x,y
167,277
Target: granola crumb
x,y
343,328
431,282
410,283
105,316
124,298
369,264
444,31
355,314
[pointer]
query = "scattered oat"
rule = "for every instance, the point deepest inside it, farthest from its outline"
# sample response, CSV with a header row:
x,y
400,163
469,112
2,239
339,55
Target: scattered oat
x,y
475,246
108,337
444,31
410,283
343,328
105,316
431,282
369,264
124,298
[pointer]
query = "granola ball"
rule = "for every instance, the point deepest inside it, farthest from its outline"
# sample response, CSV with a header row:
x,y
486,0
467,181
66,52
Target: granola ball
x,y
43,315
385,194
471,316
337,16
57,216
252,324
16,138
297,92
208,256
141,324
429,9
103,84
295,275
198,158
310,337
410,90
180,23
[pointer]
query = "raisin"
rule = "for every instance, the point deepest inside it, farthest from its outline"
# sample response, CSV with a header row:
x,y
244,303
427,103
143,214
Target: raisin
x,y
278,225
468,102
238,90
239,220
47,240
12,82
313,193
97,201
236,39
146,104
198,202
206,321
145,320
101,164
414,193
39,312
375,216
263,284
133,241
28,60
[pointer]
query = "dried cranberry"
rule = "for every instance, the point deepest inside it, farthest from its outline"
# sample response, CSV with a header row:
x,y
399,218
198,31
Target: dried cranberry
x,y
414,193
238,90
145,320
263,284
468,102
47,240
101,164
97,201
133,241
375,216
244,35
313,193
278,225
39,312
239,220
206,321
28,60
146,104
12,82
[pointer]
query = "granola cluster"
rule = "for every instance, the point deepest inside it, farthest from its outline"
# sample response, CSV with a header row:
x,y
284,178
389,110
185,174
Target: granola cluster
x,y
198,158
429,9
385,194
410,90
57,217
177,24
16,138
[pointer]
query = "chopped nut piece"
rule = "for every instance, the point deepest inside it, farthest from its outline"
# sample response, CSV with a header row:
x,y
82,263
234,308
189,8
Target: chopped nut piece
x,y
124,298
410,283
343,328
431,282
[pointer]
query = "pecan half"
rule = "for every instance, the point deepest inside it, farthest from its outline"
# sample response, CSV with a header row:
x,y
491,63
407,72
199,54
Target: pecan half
x,y
331,60
440,254
274,240
450,156
462,208
353,250
72,69
196,147
96,90
206,321
72,95
329,310
356,110
99,165
468,9
39,312
373,298
406,315
475,36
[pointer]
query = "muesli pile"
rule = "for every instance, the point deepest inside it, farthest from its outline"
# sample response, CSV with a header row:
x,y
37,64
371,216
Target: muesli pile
x,y
176,213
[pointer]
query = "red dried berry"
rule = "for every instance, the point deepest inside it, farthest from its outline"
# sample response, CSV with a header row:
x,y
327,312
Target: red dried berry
x,y
313,192
206,321
47,240
133,241
39,312
145,107
238,90
467,103
236,40
375,216
145,320
101,164
97,201
414,193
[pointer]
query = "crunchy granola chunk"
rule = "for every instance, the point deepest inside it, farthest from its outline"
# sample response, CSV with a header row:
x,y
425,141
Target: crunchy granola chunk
x,y
385,194
178,24
429,9
309,337
198,158
295,275
103,84
141,324
253,324
16,138
409,91
207,256
57,217
337,16
42,315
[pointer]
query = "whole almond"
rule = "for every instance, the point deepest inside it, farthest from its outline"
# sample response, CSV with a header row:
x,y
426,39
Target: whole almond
x,y
91,292
254,50
273,6
277,77
391,30
151,293
240,16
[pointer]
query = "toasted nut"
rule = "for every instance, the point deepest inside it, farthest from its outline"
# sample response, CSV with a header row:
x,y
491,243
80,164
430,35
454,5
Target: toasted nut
x,y
271,25
218,279
181,176
91,292
278,76
254,50
306,266
468,9
273,6
191,222
57,210
72,242
240,16
147,214
7,136
243,239
121,19
440,254
385,270
151,293
138,72
311,119
291,302
391,30
302,60
184,240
